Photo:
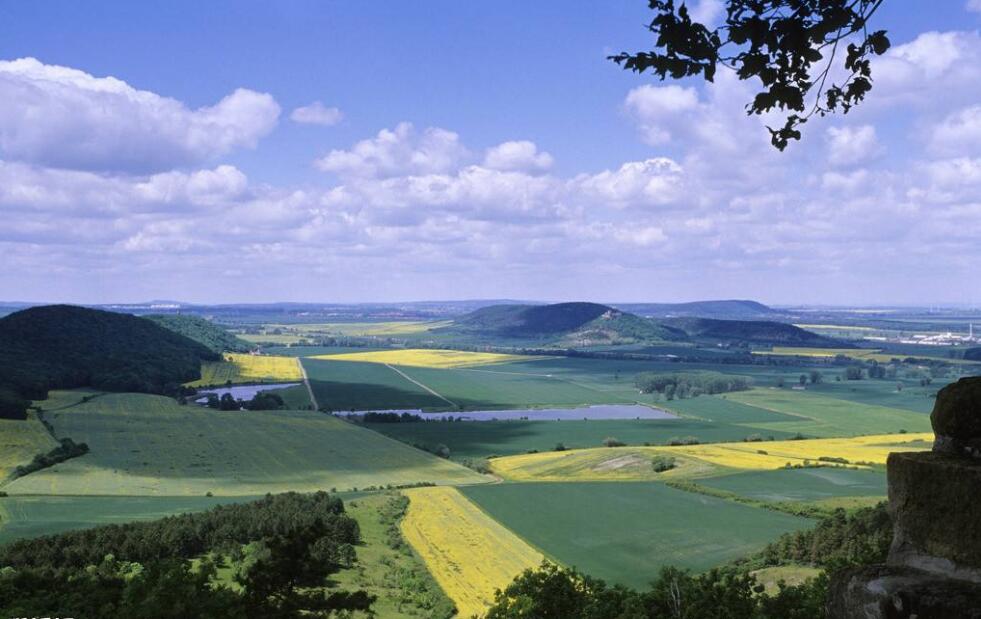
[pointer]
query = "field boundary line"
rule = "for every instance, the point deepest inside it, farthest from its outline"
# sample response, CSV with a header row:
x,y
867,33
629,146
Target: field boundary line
x,y
306,381
418,384
481,509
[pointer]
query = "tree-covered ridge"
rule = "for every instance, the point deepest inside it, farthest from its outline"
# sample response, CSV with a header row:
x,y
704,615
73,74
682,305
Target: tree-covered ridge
x,y
64,347
203,331
764,332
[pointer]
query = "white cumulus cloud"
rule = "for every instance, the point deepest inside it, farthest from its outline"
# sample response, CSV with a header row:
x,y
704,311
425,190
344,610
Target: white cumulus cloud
x,y
316,114
519,155
62,117
850,145
399,151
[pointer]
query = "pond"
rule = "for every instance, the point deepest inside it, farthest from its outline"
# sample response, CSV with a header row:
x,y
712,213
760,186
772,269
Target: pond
x,y
599,411
241,392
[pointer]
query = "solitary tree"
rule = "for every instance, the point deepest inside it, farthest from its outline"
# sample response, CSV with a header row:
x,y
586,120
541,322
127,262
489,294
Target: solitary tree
x,y
790,46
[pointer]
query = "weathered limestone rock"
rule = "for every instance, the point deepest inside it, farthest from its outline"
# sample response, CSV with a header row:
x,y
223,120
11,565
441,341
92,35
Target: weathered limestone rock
x,y
933,500
897,592
934,565
956,418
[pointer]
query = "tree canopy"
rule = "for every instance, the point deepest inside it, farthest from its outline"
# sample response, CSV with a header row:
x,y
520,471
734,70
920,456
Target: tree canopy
x,y
790,46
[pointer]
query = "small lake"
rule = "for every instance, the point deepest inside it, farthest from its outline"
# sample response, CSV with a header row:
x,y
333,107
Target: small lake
x,y
599,411
241,392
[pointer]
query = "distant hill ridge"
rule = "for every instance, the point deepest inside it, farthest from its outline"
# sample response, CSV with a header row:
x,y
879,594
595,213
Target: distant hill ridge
x,y
63,346
763,332
583,324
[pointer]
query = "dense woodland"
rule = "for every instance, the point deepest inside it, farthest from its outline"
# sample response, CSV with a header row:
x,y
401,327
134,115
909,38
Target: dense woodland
x,y
142,569
63,347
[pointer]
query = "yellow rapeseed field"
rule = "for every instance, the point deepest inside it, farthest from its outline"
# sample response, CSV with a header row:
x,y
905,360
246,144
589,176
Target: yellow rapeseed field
x,y
428,358
243,368
20,441
632,463
469,553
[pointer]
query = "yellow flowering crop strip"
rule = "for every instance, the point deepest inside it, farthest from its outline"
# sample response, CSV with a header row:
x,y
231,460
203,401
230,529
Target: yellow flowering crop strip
x,y
468,553
244,368
601,463
428,358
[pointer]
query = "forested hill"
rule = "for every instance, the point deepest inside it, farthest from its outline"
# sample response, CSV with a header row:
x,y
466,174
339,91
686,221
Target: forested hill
x,y
530,320
62,346
201,330
762,332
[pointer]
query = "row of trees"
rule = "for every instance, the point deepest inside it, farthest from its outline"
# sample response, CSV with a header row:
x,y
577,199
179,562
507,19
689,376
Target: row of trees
x,y
680,385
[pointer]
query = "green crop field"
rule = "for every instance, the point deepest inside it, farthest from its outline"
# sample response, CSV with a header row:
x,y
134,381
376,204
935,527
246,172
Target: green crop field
x,y
802,484
625,532
149,445
724,409
912,397
31,516
350,385
498,388
484,438
825,416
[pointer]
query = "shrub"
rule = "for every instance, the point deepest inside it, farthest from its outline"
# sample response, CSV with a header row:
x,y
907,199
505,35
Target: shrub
x,y
612,441
663,463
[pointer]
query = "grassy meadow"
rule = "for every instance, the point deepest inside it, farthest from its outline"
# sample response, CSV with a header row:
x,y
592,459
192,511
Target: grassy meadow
x,y
801,485
20,441
149,445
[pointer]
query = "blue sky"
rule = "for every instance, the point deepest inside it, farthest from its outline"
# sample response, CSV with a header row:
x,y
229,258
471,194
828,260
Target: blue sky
x,y
467,150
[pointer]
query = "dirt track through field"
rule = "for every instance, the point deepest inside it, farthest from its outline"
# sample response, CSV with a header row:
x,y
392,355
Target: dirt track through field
x,y
306,381
417,383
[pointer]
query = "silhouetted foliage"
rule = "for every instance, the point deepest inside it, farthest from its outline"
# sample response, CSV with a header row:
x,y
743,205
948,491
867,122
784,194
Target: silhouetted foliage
x,y
790,46
552,592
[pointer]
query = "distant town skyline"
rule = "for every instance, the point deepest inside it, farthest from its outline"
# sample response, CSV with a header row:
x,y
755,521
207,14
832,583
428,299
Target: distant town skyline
x,y
251,152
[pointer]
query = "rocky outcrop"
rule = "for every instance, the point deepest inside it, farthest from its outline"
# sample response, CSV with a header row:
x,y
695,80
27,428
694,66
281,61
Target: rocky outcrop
x,y
956,419
936,521
934,565
898,592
